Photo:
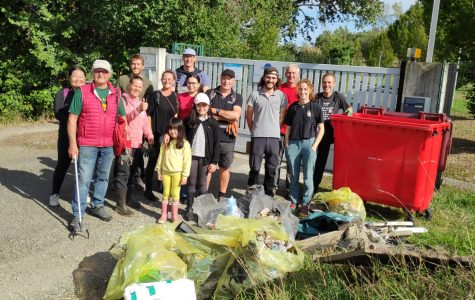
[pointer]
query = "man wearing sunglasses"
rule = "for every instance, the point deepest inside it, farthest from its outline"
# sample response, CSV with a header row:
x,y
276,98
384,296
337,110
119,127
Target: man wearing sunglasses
x,y
92,117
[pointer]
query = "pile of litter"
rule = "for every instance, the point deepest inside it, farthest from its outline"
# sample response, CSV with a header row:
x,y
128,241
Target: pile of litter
x,y
236,254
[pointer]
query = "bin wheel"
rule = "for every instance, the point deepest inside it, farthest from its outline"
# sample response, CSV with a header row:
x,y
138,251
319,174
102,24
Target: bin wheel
x,y
438,181
428,214
409,216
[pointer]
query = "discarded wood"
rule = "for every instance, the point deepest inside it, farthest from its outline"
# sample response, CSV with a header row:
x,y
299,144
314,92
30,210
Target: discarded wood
x,y
320,241
388,254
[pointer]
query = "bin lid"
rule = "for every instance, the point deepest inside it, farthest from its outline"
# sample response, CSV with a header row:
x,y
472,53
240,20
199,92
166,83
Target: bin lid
x,y
391,121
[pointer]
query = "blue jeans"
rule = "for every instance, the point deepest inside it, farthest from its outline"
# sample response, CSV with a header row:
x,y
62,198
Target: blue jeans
x,y
300,153
92,160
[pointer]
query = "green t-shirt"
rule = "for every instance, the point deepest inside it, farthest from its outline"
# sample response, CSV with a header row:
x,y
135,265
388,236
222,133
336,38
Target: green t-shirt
x,y
76,104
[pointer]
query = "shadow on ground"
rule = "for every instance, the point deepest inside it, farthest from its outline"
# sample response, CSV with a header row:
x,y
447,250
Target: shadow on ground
x,y
92,275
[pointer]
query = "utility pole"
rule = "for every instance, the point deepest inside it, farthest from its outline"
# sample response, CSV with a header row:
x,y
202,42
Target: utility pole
x,y
433,29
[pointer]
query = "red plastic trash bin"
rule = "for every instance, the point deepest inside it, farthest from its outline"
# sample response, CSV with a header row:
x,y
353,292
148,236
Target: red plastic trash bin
x,y
388,159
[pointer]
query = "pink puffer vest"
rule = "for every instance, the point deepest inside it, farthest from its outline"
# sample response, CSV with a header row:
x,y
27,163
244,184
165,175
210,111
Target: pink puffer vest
x,y
96,126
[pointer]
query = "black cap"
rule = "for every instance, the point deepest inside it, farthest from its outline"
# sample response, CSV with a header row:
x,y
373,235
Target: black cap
x,y
271,70
228,72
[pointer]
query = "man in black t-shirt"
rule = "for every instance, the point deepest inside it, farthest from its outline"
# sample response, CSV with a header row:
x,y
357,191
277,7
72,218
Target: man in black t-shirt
x,y
226,107
331,102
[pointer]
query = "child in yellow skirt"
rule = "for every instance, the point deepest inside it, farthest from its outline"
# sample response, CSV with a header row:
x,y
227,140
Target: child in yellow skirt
x,y
173,167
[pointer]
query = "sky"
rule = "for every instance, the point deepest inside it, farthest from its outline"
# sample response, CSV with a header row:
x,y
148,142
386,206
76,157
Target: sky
x,y
405,4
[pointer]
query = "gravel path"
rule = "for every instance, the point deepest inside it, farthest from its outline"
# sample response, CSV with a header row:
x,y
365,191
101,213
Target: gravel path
x,y
37,258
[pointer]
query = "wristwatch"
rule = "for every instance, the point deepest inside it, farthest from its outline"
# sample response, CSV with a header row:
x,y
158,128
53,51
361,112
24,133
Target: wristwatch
x,y
217,111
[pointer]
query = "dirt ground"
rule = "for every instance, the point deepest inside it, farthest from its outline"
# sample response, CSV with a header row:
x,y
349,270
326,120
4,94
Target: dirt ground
x,y
37,258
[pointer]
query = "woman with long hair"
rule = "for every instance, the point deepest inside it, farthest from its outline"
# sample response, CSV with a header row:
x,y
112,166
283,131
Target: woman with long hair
x,y
304,132
162,107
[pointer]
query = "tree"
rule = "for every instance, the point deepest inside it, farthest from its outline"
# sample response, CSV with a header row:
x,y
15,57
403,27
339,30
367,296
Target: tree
x,y
408,31
338,47
40,39
380,52
455,29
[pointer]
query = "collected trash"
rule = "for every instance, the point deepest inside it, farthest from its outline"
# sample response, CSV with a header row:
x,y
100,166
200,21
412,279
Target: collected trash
x,y
342,201
321,223
238,254
254,205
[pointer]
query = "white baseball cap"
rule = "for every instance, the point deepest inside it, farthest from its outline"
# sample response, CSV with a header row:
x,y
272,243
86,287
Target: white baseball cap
x,y
102,64
201,98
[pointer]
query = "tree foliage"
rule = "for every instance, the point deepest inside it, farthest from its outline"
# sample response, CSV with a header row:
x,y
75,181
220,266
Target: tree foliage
x,y
40,39
408,31
455,29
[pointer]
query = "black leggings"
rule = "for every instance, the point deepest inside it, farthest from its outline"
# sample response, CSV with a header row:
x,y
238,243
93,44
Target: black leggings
x,y
198,175
63,163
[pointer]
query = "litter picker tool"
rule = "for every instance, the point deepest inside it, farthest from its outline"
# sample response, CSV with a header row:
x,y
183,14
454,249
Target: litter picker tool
x,y
75,231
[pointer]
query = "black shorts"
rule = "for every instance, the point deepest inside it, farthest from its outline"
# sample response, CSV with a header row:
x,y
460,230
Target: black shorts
x,y
226,155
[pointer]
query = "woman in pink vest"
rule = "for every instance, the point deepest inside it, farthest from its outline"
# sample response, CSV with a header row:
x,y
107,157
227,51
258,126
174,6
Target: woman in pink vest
x,y
127,163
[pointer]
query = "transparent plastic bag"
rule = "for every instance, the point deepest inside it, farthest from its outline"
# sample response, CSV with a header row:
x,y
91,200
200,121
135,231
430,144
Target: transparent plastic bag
x,y
208,257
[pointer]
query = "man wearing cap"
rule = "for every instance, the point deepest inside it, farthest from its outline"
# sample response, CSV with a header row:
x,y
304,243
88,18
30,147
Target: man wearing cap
x,y
188,68
289,88
226,107
91,124
264,115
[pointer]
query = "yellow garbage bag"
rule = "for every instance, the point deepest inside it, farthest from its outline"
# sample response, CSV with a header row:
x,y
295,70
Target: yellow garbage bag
x,y
342,201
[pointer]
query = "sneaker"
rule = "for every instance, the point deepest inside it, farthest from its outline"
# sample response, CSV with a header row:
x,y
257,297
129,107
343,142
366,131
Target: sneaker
x,y
54,200
88,199
75,226
101,213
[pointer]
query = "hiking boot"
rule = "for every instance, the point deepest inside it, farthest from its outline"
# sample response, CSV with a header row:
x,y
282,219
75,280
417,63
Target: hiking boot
x,y
121,206
75,226
101,213
54,200
150,196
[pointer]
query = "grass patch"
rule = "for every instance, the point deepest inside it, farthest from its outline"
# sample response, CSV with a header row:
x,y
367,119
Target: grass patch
x,y
452,227
397,281
453,222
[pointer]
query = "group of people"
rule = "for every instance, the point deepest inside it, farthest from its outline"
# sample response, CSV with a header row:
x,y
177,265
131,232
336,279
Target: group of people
x,y
190,131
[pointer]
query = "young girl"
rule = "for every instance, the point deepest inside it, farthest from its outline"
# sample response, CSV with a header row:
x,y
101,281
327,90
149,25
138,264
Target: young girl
x,y
173,168
203,134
